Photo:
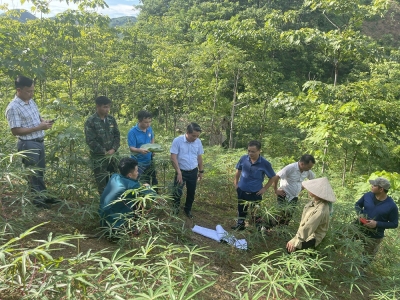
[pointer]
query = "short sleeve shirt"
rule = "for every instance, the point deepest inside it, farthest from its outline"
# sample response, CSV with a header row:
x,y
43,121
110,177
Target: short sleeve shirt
x,y
186,152
291,179
137,138
253,174
21,114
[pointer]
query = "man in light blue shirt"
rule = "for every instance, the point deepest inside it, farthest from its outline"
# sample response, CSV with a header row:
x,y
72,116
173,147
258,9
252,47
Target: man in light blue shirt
x,y
186,156
250,173
139,135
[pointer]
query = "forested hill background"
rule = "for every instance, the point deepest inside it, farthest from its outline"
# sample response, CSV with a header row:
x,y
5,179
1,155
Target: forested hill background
x,y
23,16
316,76
385,29
313,76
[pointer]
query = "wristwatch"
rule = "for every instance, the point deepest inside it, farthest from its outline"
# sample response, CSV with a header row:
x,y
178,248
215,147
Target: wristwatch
x,y
202,171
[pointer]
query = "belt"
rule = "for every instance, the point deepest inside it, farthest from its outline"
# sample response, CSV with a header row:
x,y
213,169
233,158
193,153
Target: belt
x,y
189,171
247,193
38,140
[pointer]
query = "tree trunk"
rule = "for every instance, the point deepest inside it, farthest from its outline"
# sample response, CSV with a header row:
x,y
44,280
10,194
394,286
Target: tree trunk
x,y
336,73
71,72
216,72
353,161
214,132
325,153
263,119
235,86
344,167
166,115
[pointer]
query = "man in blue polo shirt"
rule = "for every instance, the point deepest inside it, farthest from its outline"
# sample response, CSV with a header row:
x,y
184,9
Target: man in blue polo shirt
x,y
250,173
186,156
139,135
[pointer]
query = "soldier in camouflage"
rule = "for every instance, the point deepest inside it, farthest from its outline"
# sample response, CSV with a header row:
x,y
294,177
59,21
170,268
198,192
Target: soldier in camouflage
x,y
103,139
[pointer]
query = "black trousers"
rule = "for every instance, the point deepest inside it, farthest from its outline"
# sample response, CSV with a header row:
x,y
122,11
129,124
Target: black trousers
x,y
288,209
244,197
189,179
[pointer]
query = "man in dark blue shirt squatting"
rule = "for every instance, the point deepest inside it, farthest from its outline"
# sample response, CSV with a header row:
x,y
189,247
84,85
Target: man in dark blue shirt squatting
x,y
377,212
250,173
117,206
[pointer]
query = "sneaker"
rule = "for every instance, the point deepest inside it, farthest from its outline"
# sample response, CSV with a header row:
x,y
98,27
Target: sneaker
x,y
239,226
188,214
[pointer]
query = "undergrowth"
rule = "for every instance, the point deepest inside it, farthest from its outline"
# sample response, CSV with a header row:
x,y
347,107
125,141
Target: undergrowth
x,y
156,256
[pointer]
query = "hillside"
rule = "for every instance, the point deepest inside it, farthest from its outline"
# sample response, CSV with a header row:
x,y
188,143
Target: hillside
x,y
385,30
122,21
23,16
20,15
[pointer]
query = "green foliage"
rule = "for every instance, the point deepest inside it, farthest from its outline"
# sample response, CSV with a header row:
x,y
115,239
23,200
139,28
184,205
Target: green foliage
x,y
389,294
394,179
301,76
152,271
282,276
122,21
162,260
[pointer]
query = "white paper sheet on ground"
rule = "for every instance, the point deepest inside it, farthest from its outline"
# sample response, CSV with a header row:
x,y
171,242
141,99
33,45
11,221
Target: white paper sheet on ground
x,y
220,234
210,233
224,235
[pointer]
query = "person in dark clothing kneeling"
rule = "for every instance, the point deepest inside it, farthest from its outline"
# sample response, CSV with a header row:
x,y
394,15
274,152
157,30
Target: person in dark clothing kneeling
x,y
117,202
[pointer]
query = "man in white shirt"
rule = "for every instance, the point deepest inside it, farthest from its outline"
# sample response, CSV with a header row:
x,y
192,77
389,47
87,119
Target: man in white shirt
x,y
186,156
291,177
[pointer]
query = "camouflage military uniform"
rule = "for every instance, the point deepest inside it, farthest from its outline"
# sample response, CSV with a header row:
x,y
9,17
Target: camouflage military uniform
x,y
102,136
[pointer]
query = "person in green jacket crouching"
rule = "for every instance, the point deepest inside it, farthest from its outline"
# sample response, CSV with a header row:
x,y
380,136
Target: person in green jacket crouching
x,y
118,202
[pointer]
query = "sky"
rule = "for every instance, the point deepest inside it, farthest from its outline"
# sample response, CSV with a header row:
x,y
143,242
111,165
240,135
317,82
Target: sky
x,y
116,8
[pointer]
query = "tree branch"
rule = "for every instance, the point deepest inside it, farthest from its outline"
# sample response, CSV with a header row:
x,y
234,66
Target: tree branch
x,y
330,21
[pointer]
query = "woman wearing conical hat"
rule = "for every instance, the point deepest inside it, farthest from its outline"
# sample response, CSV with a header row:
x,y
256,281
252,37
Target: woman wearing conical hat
x,y
315,218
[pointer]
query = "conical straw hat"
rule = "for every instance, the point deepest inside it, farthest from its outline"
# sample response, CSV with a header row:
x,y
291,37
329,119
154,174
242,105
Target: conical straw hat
x,y
321,188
